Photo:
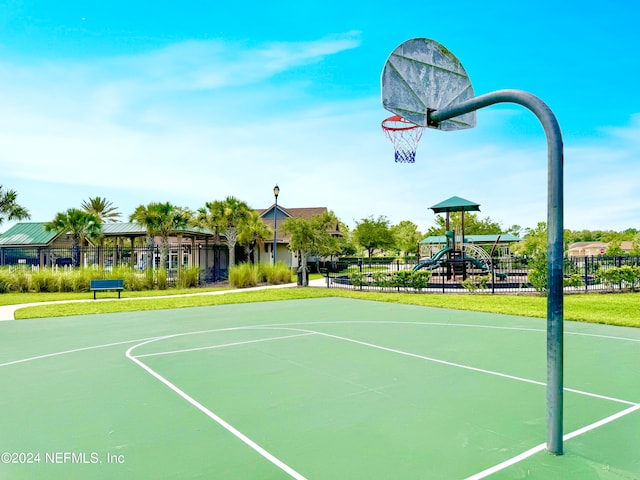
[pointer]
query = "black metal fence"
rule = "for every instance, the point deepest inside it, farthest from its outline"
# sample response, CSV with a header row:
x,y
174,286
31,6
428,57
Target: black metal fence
x,y
503,275
212,260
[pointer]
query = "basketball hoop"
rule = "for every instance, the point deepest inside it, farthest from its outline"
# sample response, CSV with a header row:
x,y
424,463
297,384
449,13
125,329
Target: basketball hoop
x,y
405,137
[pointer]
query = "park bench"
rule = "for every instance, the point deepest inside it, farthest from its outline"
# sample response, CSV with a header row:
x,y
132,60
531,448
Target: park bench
x,y
106,285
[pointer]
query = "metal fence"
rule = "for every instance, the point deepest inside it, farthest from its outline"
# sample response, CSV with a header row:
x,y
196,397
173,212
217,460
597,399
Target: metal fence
x,y
505,275
212,260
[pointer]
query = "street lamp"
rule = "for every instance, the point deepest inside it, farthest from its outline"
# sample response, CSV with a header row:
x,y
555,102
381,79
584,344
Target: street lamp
x,y
276,192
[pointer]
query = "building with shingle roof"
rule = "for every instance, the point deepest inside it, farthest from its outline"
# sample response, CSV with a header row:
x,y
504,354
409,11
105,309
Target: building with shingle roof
x,y
277,216
592,249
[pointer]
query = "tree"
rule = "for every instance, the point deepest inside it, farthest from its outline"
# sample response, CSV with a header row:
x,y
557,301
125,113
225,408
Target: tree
x,y
253,233
635,245
226,216
311,236
204,219
9,207
102,208
345,242
406,237
534,242
104,211
615,249
80,225
472,225
515,230
161,219
373,234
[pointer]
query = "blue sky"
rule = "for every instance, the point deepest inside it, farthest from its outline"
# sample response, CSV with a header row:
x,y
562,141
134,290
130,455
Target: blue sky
x,y
192,101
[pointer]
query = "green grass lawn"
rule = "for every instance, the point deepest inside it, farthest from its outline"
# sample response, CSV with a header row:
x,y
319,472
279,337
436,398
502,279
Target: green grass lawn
x,y
612,309
30,297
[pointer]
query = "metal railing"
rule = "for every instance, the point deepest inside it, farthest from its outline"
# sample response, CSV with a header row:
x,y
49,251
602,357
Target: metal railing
x,y
499,275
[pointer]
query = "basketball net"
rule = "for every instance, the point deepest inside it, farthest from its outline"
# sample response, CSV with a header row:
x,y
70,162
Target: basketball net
x,y
405,137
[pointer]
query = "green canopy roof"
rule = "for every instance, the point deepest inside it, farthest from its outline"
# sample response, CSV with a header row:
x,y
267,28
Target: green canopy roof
x,y
504,238
28,233
456,204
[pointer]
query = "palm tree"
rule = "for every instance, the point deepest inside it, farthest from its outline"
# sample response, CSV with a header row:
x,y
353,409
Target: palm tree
x,y
9,208
204,219
161,219
80,225
226,215
253,233
101,208
104,210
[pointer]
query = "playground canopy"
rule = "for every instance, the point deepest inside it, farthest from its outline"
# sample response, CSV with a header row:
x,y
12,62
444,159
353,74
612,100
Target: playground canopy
x,y
456,204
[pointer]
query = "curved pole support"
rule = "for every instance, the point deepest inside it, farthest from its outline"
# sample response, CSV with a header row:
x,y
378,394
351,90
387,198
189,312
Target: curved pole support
x,y
555,250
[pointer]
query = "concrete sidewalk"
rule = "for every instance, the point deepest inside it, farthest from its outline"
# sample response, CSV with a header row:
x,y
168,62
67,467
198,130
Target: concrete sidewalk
x,y
7,312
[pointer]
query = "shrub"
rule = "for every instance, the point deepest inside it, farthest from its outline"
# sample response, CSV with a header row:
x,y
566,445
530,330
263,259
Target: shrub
x,y
160,277
420,279
573,280
356,279
381,279
476,283
538,272
401,279
273,274
64,280
265,272
281,274
21,280
133,280
81,279
243,275
44,280
6,280
188,277
628,276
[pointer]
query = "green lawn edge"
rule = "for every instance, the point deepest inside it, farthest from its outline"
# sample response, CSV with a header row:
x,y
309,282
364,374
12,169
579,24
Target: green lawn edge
x,y
619,309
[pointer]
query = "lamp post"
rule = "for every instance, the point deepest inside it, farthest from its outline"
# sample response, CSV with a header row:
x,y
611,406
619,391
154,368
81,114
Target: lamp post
x,y
276,192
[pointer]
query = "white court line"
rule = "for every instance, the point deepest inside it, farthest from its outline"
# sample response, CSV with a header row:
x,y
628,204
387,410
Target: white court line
x,y
211,347
524,455
543,446
82,349
467,367
512,461
444,324
124,342
227,426
384,322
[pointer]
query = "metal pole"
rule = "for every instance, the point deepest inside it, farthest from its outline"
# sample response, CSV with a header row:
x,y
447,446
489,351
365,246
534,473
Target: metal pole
x,y
555,247
276,191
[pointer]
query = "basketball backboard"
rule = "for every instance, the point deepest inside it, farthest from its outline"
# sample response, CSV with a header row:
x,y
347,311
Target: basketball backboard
x,y
421,75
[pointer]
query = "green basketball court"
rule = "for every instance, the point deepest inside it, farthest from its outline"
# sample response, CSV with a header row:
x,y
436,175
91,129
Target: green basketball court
x,y
312,389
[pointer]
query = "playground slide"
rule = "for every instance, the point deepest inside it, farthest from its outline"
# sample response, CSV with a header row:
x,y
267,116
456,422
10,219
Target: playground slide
x,y
479,264
434,262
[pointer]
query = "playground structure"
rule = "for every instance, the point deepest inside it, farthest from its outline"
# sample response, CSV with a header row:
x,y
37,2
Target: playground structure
x,y
459,258
468,259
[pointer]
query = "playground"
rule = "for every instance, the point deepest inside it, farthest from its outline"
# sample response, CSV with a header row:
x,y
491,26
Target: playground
x,y
458,264
459,258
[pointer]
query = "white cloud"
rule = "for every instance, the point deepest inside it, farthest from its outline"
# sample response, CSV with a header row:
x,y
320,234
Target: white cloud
x,y
134,126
